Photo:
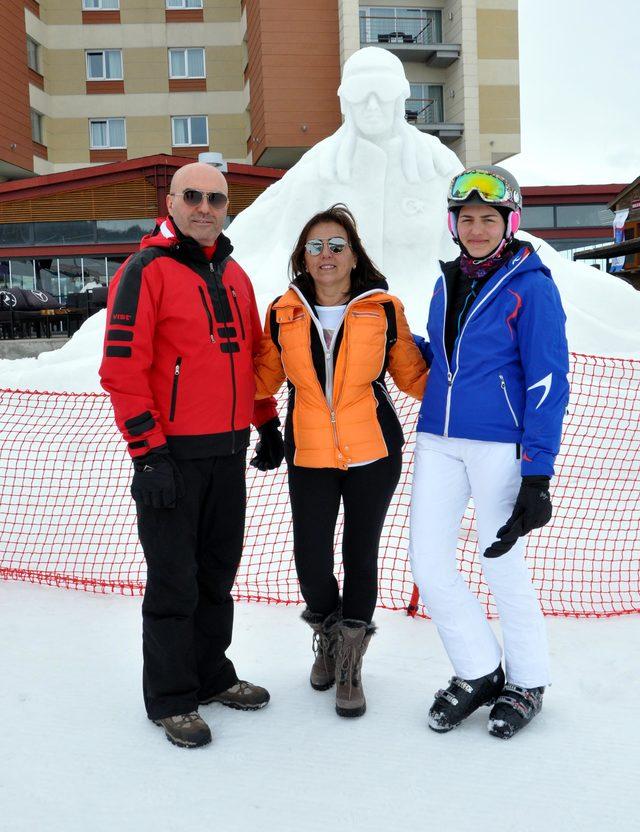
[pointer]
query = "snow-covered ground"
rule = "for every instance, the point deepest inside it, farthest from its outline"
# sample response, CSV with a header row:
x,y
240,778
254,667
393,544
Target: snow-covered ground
x,y
78,753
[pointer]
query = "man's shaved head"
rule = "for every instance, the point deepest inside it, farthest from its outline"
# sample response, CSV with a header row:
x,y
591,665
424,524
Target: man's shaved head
x,y
203,222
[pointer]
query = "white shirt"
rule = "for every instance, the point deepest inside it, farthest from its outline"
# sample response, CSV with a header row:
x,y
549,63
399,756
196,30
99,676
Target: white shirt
x,y
330,317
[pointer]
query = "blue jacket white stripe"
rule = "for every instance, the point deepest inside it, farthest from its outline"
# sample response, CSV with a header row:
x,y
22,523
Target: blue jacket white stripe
x,y
508,376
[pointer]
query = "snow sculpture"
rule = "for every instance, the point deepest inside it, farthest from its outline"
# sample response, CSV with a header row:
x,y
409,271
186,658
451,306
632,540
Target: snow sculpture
x,y
393,177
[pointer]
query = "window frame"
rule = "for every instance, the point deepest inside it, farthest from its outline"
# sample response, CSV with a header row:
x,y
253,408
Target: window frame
x,y
31,42
183,5
107,119
190,143
186,49
39,121
99,7
103,77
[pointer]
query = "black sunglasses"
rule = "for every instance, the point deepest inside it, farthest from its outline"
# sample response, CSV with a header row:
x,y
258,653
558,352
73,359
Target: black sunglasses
x,y
336,245
193,197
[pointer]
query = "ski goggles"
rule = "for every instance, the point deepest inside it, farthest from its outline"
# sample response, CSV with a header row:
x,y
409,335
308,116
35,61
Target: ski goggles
x,y
193,198
336,245
490,187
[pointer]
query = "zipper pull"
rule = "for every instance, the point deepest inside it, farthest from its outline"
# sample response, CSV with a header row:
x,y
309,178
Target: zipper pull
x,y
177,370
502,383
449,378
333,417
213,340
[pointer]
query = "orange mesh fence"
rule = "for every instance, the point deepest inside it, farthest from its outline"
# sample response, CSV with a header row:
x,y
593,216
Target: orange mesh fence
x,y
67,519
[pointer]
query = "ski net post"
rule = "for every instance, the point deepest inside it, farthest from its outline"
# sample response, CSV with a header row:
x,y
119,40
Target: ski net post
x,y
67,519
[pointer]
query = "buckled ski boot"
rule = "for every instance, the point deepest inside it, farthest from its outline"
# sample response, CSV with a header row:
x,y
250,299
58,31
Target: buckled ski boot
x,y
463,697
514,708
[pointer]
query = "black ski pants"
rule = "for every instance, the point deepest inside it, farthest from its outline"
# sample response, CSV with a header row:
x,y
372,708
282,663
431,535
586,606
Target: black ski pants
x,y
192,554
366,492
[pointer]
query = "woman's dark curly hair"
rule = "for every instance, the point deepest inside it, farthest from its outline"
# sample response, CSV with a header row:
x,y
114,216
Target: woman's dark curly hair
x,y
363,277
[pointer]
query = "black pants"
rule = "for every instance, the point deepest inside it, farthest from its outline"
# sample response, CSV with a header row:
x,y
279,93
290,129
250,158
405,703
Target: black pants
x,y
366,492
192,554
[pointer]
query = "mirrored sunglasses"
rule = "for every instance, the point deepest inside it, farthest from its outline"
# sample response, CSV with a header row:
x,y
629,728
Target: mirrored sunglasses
x,y
193,197
336,245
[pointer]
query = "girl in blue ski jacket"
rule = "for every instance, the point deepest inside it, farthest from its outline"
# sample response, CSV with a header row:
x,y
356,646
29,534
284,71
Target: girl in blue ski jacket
x,y
489,428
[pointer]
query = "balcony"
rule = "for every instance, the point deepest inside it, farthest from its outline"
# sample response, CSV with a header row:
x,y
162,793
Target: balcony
x,y
410,38
426,115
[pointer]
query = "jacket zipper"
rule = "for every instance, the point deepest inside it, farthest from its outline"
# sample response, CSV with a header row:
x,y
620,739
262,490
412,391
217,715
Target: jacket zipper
x,y
174,388
503,384
209,318
452,378
233,372
446,361
235,300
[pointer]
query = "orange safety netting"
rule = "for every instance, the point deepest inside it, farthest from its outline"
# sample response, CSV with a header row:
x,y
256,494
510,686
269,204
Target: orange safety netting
x,y
66,517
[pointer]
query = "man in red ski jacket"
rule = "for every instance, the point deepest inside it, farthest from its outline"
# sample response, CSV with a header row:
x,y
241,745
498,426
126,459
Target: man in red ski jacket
x,y
182,330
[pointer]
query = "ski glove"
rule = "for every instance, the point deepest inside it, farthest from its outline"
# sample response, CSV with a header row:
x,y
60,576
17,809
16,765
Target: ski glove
x,y
531,511
157,481
270,447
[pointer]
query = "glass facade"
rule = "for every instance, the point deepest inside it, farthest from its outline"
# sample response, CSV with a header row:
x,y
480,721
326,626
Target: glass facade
x,y
59,276
74,232
566,216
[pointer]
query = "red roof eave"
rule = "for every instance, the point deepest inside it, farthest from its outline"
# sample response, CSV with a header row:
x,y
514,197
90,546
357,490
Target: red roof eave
x,y
112,172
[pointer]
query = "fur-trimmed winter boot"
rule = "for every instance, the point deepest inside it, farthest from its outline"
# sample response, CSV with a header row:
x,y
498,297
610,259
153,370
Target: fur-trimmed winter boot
x,y
325,639
353,640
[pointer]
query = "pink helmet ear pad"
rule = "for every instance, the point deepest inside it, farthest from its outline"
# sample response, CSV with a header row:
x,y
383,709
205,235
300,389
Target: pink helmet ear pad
x,y
452,222
513,223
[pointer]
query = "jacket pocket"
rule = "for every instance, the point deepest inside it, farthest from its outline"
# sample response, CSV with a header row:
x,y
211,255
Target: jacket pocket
x,y
237,305
174,388
503,384
208,313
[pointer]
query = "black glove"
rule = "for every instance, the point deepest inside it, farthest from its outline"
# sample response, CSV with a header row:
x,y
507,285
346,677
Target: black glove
x,y
157,480
270,447
531,511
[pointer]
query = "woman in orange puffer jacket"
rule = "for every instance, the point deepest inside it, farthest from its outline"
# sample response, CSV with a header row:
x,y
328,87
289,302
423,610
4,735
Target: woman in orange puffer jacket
x,y
334,335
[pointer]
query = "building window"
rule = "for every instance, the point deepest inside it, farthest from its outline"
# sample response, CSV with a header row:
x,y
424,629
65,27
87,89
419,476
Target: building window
x,y
90,5
388,24
538,216
184,4
425,104
574,216
33,55
107,133
190,130
104,65
186,63
37,133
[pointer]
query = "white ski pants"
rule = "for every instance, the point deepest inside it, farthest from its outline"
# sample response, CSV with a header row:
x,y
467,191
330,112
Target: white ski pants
x,y
447,472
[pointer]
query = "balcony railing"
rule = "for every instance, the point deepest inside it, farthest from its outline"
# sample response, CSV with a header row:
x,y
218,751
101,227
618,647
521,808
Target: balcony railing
x,y
422,111
375,29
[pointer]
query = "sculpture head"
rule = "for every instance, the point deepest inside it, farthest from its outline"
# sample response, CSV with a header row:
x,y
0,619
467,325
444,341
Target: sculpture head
x,y
373,92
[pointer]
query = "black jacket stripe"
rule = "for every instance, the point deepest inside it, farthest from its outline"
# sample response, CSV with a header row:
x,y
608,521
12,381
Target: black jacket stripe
x,y
125,306
119,335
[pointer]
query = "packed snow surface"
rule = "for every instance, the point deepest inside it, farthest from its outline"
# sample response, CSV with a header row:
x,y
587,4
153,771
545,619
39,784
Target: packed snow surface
x,y
78,752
